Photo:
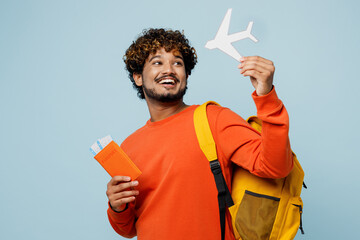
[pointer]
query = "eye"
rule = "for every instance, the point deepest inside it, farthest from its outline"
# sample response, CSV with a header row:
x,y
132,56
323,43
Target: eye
x,y
178,63
157,63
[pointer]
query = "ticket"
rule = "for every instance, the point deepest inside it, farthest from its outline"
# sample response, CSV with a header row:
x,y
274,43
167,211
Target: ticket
x,y
113,158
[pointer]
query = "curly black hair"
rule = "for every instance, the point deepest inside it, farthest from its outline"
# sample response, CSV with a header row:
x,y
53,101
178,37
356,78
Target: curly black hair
x,y
149,42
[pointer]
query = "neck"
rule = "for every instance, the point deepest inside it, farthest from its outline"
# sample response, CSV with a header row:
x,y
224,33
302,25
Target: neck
x,y
161,110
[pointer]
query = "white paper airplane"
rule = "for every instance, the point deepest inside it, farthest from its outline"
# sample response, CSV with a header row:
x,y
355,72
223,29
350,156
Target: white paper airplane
x,y
223,41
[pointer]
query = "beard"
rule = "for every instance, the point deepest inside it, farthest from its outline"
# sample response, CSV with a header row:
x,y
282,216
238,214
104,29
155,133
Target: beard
x,y
166,97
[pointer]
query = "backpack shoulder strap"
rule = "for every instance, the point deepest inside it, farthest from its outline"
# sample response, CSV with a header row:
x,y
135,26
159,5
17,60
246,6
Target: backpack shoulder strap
x,y
207,145
203,131
255,122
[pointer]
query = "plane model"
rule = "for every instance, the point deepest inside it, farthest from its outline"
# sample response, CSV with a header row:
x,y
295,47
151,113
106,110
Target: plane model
x,y
223,40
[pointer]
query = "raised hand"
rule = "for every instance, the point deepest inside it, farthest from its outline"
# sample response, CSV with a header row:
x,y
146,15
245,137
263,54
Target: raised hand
x,y
261,72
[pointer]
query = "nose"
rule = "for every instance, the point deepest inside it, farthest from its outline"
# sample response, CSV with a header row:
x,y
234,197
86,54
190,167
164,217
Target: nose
x,y
168,68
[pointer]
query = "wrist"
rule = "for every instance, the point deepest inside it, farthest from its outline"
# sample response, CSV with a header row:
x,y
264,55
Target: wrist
x,y
267,103
122,208
264,91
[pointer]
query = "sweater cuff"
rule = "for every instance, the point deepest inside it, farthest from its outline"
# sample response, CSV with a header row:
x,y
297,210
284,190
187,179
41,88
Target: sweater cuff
x,y
119,217
268,103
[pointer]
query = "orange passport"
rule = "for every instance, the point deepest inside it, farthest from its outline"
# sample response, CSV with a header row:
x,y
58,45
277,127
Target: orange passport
x,y
116,162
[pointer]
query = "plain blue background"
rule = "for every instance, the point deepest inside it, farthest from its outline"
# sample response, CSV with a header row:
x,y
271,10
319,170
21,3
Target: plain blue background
x,y
63,85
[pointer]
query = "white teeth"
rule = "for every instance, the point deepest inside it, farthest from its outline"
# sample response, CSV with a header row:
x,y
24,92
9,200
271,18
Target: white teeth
x,y
167,81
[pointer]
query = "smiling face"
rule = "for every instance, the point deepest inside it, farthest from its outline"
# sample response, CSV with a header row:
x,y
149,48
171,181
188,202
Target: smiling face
x,y
164,77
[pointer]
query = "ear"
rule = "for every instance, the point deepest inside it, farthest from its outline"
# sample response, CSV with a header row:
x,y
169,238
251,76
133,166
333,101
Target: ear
x,y
138,79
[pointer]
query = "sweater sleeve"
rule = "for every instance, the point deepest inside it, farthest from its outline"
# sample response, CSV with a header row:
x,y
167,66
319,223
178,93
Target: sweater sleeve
x,y
267,154
123,222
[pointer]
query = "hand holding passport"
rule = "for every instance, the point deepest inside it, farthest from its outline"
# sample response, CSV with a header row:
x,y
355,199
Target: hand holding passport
x,y
113,159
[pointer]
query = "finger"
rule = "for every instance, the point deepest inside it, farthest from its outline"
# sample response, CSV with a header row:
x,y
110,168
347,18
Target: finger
x,y
113,196
252,73
256,65
117,203
121,187
118,179
257,58
123,194
126,194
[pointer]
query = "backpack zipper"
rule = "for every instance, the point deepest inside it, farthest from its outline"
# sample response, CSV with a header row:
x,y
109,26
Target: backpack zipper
x,y
300,210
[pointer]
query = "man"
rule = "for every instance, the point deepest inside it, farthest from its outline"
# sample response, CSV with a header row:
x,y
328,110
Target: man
x,y
176,197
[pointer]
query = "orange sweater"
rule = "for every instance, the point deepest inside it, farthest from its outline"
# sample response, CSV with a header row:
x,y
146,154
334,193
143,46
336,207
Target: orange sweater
x,y
178,196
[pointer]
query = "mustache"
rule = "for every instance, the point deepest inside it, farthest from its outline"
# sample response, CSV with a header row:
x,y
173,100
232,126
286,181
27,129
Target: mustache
x,y
167,76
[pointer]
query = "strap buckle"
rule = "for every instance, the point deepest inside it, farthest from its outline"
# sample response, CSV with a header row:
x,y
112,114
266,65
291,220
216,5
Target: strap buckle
x,y
215,166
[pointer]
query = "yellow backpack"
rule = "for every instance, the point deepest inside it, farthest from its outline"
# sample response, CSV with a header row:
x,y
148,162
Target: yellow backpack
x,y
260,208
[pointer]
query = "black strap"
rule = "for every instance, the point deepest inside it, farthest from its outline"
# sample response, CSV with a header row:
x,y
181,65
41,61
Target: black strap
x,y
224,197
